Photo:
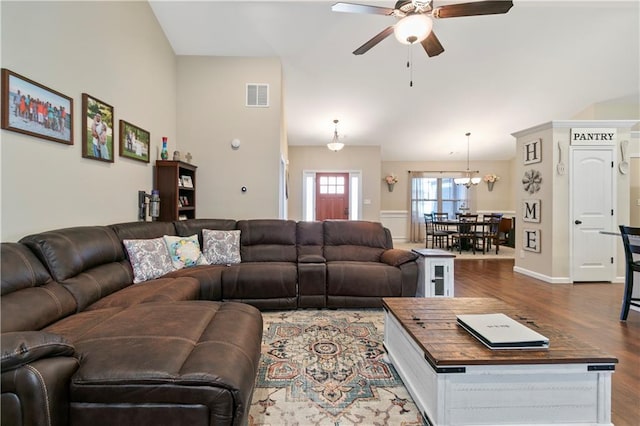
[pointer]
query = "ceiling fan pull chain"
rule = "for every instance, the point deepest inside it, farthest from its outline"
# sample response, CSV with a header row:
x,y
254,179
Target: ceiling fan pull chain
x,y
410,65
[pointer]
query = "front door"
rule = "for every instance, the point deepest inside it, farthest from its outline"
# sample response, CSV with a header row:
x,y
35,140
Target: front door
x,y
592,212
332,196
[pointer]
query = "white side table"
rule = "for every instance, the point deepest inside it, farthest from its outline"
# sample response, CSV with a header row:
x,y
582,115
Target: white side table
x,y
435,276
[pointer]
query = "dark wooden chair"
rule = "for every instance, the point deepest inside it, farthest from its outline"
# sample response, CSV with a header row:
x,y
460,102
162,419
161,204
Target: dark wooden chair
x,y
489,230
502,236
437,235
631,241
467,233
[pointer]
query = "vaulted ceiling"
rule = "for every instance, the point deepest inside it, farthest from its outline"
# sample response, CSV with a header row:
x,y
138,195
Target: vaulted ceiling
x,y
542,61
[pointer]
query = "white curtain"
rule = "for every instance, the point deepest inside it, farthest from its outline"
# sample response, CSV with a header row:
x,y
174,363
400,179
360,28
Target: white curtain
x,y
432,192
417,204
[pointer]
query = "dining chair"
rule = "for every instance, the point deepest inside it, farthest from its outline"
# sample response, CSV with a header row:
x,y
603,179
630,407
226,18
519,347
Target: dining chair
x,y
631,242
437,236
440,219
502,236
489,229
467,233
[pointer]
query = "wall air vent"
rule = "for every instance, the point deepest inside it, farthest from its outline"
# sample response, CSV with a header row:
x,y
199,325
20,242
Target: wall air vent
x,y
257,95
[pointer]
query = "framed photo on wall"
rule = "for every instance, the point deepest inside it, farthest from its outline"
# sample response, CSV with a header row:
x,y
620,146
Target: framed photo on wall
x,y
36,110
134,142
97,133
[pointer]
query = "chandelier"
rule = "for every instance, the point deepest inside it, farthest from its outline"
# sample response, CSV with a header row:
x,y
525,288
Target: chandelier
x,y
335,144
468,178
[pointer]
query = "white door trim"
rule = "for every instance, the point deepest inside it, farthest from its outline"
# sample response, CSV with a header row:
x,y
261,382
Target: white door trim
x,y
309,193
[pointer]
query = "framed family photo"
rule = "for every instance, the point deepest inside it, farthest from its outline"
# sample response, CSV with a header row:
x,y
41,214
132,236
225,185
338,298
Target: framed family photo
x,y
134,142
97,136
36,110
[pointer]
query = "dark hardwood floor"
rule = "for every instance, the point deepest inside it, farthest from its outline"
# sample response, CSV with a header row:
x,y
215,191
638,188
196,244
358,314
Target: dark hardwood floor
x,y
589,311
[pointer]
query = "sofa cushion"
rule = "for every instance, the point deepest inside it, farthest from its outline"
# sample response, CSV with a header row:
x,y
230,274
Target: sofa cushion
x,y
195,226
354,240
27,284
142,230
221,247
160,290
68,252
184,252
259,280
363,279
310,238
20,348
267,240
209,277
149,258
182,353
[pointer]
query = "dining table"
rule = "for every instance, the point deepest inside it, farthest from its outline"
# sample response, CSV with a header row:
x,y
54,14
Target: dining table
x,y
452,226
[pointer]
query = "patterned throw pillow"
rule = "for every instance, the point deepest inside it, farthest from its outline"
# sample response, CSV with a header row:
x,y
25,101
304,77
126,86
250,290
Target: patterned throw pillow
x,y
149,258
221,247
184,251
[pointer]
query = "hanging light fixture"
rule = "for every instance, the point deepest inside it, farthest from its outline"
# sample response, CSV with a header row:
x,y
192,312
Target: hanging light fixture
x,y
335,144
468,178
413,28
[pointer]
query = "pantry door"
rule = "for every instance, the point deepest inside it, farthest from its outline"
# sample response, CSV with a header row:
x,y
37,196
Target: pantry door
x,y
592,211
332,196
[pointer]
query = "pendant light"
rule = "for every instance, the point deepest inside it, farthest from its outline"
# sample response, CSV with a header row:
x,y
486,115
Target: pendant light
x,y
468,178
335,144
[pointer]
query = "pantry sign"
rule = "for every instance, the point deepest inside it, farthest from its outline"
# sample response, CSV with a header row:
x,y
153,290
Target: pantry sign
x,y
591,136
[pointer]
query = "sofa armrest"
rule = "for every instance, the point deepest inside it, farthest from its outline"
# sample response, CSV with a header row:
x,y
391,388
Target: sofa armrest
x,y
23,347
38,393
397,257
311,258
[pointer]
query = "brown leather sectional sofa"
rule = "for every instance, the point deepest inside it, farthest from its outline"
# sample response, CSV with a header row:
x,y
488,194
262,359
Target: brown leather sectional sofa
x,y
82,345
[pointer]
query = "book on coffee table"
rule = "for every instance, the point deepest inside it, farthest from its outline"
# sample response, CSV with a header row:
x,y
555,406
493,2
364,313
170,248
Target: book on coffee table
x,y
498,331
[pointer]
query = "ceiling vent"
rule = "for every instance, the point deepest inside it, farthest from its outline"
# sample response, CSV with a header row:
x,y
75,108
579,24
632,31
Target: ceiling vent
x,y
257,95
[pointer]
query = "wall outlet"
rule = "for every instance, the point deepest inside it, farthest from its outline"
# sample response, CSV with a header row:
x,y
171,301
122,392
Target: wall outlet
x,y
638,202
367,201
521,254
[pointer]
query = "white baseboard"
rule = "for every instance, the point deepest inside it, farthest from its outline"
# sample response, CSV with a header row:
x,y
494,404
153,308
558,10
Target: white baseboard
x,y
541,277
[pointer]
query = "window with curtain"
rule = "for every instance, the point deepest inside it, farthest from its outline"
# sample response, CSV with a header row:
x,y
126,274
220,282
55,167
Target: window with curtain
x,y
433,194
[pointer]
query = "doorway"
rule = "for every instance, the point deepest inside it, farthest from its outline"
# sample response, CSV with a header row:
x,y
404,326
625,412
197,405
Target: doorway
x,y
332,196
332,203
591,211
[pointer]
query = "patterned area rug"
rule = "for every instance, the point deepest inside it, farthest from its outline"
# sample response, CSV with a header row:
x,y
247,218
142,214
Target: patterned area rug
x,y
328,367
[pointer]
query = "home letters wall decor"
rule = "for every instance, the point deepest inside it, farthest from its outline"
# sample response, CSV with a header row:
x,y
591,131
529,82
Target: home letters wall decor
x,y
531,241
531,211
532,152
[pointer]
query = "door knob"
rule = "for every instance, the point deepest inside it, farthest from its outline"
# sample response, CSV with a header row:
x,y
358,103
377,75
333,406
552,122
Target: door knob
x,y
577,222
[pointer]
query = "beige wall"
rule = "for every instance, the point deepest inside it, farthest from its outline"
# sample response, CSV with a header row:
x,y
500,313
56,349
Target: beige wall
x,y
365,159
211,113
480,198
114,51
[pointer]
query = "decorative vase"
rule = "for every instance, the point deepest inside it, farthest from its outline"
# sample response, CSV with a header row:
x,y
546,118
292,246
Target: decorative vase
x,y
490,185
164,154
391,185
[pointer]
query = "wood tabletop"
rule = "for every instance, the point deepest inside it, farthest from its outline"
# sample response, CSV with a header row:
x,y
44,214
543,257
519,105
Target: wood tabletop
x,y
431,322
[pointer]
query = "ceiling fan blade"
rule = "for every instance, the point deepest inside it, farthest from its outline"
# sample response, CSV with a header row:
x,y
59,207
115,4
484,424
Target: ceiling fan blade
x,y
472,9
361,8
432,45
375,40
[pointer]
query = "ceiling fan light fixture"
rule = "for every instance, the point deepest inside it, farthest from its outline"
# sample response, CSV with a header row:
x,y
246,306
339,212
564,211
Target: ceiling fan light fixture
x,y
335,145
413,28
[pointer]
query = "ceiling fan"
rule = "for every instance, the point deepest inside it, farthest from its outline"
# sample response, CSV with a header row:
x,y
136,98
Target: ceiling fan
x,y
415,20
